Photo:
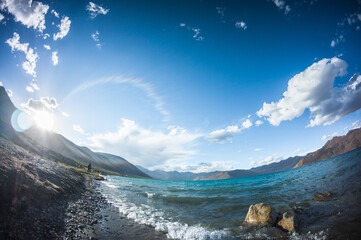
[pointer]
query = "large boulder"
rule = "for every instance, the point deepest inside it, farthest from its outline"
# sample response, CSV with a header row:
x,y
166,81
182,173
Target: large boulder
x,y
262,215
289,221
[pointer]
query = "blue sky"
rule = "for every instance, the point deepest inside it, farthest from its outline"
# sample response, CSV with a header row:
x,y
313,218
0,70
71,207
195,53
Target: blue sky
x,y
187,85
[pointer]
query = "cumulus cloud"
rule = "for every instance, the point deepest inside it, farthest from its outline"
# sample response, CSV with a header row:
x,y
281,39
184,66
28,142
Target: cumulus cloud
x,y
47,47
247,124
268,160
1,17
77,128
228,133
54,58
258,149
225,134
47,104
28,12
259,123
95,9
200,167
281,4
241,25
31,57
314,89
146,147
64,28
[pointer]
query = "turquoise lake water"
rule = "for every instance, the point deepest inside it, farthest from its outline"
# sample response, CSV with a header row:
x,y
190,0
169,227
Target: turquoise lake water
x,y
215,209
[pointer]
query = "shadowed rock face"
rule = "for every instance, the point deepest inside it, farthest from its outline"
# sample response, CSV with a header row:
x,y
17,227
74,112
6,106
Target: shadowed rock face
x,y
262,215
334,147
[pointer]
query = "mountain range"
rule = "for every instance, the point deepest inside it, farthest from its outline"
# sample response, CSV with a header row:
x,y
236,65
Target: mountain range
x,y
57,148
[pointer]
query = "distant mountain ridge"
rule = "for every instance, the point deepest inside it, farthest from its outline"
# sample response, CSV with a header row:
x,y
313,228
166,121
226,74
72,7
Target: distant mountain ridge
x,y
286,164
334,147
58,148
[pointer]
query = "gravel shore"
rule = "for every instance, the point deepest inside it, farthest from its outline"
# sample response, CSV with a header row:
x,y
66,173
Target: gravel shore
x,y
41,200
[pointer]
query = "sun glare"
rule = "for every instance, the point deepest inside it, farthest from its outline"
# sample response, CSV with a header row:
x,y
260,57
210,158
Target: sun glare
x,y
44,120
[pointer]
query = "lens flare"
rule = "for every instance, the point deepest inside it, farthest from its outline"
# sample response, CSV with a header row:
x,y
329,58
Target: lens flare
x,y
20,121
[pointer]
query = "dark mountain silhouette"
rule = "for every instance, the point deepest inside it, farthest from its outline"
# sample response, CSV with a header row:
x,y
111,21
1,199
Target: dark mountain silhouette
x,y
58,148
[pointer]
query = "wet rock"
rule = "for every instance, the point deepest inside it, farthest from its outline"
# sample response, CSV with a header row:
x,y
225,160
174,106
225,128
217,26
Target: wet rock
x,y
322,196
262,215
99,178
290,221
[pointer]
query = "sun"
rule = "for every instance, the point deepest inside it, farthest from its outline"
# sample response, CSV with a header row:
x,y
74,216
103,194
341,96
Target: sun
x,y
44,120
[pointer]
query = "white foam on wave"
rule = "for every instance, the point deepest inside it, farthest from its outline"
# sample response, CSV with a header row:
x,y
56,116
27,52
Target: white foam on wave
x,y
322,235
144,214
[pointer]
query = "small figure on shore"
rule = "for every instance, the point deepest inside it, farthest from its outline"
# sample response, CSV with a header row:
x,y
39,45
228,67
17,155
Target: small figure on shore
x,y
89,167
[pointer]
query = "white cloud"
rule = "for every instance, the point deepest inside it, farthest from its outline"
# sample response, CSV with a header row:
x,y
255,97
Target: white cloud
x,y
47,104
197,34
77,128
136,82
220,11
95,9
225,134
46,35
31,57
65,114
47,47
1,17
247,124
146,147
54,58
241,24
1,84
259,123
34,85
64,28
95,37
28,12
356,124
258,149
314,89
268,160
9,92
281,4
55,13
29,89
327,137
200,167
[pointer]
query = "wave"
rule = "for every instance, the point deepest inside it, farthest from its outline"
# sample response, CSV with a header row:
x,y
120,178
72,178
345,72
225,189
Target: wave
x,y
144,214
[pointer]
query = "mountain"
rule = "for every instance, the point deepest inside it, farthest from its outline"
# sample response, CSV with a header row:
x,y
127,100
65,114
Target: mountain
x,y
58,148
278,166
216,175
334,147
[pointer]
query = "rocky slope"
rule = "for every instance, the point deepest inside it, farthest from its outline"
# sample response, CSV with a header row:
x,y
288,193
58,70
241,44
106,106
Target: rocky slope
x,y
334,147
58,148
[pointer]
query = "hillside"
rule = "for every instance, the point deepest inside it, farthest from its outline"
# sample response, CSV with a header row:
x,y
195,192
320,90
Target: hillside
x,y
56,147
334,147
